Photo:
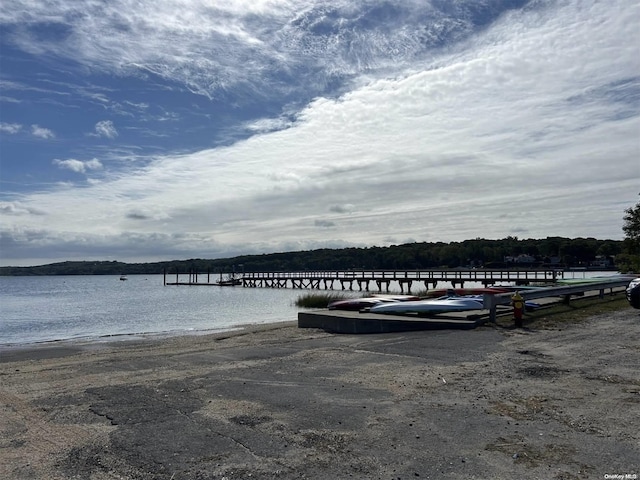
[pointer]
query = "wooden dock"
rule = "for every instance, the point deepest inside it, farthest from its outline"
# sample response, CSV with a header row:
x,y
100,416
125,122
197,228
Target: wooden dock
x,y
381,280
193,279
378,280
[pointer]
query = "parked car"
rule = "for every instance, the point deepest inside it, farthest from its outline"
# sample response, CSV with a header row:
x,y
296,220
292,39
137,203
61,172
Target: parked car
x,y
633,293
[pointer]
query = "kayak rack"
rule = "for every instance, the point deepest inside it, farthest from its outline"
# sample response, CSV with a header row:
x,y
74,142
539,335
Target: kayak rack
x,y
357,322
492,302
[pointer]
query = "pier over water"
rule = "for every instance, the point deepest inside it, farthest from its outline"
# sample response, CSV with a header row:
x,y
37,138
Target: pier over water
x,y
381,280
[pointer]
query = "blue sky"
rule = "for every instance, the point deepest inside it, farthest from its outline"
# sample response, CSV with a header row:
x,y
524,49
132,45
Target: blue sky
x,y
145,131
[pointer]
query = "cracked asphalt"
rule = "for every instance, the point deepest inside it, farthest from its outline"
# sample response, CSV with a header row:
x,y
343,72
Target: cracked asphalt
x,y
279,402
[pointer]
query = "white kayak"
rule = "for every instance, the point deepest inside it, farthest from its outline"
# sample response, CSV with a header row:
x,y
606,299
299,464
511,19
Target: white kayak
x,y
367,302
438,305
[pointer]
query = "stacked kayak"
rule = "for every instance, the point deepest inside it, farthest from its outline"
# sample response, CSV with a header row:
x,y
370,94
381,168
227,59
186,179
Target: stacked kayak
x,y
368,302
444,304
410,304
433,306
440,292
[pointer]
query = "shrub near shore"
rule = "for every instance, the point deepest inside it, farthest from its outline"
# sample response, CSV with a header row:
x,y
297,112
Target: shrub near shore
x,y
319,300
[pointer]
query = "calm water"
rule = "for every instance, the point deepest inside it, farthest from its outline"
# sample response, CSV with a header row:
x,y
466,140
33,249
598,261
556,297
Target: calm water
x,y
40,309
43,309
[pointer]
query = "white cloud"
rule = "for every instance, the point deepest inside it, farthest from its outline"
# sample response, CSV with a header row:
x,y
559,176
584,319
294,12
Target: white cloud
x,y
215,47
16,208
10,128
79,166
4,98
105,128
266,125
536,117
41,132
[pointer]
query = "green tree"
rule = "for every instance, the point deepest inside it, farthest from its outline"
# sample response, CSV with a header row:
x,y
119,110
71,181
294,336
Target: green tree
x,y
631,228
630,260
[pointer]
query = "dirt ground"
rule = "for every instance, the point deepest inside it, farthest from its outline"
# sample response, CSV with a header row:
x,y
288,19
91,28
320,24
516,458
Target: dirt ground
x,y
280,402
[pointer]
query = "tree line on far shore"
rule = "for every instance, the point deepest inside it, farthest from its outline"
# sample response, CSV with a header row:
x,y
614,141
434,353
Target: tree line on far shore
x,y
510,252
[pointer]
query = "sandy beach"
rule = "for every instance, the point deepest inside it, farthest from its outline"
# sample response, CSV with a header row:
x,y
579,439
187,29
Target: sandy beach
x,y
280,402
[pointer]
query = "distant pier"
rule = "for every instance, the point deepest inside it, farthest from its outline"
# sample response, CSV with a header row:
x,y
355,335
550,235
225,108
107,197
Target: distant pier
x,y
376,280
194,279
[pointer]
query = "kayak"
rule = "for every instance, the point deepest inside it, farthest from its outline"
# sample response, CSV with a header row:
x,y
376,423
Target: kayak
x,y
397,298
368,302
356,303
466,291
438,305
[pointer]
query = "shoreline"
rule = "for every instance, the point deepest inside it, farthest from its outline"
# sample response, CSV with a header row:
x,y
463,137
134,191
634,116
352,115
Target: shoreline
x,y
117,337
273,401
69,346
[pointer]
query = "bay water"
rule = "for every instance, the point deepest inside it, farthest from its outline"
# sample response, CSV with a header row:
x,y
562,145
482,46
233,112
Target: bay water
x,y
52,308
102,307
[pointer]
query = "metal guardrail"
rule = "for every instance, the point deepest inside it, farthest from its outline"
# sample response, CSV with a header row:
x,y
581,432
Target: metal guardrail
x,y
491,302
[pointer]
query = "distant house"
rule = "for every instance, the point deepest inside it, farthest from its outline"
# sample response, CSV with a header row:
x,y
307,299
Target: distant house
x,y
554,260
602,261
522,258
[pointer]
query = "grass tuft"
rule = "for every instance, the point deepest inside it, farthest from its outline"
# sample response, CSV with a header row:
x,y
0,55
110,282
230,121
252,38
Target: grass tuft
x,y
318,300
